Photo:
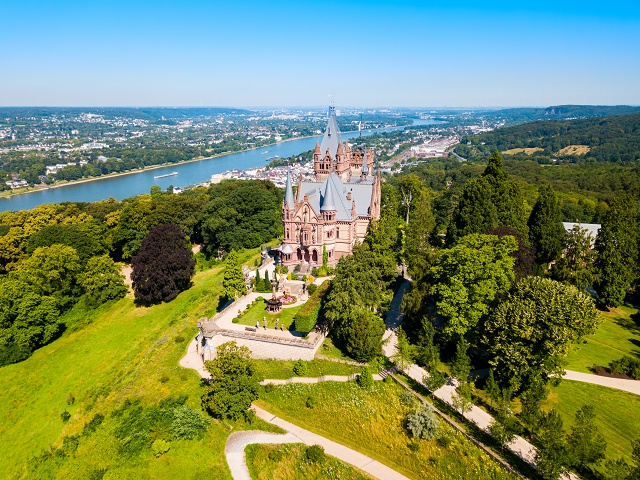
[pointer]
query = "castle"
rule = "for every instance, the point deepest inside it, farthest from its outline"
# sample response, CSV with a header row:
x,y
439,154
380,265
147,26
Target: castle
x,y
336,209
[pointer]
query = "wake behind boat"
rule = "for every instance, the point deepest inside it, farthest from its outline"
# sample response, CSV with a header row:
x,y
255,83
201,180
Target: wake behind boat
x,y
167,175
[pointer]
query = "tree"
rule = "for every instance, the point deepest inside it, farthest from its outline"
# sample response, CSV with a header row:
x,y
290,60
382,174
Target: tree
x,y
467,279
461,367
575,266
325,257
403,356
28,319
617,252
424,423
418,250
524,257
52,271
551,455
504,428
635,456
410,186
233,285
546,231
463,400
492,388
530,332
475,211
233,383
164,265
102,281
531,402
587,446
363,335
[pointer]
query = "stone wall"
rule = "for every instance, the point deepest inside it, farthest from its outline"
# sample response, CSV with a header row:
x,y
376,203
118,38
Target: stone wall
x,y
263,349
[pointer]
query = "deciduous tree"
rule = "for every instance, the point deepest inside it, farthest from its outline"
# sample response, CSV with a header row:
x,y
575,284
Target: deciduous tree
x,y
575,265
102,280
552,454
587,446
164,266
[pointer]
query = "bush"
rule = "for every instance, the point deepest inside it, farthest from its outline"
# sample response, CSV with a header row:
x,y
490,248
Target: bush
x,y
407,399
423,423
276,455
70,399
294,276
365,380
159,447
314,454
236,320
65,416
179,339
164,378
188,422
626,366
312,288
300,368
312,402
269,387
13,353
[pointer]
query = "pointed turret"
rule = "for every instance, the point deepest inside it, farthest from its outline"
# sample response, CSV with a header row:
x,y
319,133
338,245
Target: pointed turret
x,y
340,151
288,193
331,137
364,171
317,150
328,203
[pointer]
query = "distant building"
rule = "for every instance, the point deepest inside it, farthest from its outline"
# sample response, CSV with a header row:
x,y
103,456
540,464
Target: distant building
x,y
591,228
335,209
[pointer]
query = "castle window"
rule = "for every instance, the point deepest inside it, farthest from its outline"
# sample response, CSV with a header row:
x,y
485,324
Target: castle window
x,y
337,233
287,215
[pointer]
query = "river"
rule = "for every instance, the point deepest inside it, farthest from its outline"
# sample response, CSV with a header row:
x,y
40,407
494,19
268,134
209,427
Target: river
x,y
138,183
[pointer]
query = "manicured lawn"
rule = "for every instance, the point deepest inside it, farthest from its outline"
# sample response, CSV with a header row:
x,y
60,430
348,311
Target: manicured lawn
x,y
122,352
258,311
288,462
618,413
617,335
372,421
275,369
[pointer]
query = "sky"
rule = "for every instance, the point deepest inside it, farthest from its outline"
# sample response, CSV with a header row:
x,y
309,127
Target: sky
x,y
371,53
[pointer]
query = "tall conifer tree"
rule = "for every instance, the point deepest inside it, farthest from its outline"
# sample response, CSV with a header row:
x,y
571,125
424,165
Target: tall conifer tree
x,y
546,232
617,252
233,282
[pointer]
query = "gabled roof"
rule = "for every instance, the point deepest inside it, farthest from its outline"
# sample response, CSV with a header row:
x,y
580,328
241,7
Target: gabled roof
x,y
331,137
365,167
333,190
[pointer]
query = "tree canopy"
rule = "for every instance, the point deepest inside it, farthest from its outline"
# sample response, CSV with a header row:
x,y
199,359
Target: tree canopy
x,y
164,266
546,231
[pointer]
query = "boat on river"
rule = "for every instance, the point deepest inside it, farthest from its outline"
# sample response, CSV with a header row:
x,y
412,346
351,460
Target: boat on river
x,y
167,175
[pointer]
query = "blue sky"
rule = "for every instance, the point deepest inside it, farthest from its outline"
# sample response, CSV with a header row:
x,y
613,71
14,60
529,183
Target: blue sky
x,y
373,53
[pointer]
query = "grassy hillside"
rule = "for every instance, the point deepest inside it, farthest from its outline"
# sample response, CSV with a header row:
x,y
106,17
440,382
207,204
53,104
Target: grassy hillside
x,y
124,352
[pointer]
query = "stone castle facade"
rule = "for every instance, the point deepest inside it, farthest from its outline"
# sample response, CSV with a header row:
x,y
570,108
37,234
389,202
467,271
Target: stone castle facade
x,y
336,209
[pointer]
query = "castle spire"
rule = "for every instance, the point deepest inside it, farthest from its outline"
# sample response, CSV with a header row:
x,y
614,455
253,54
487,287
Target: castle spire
x,y
288,194
317,150
328,204
365,167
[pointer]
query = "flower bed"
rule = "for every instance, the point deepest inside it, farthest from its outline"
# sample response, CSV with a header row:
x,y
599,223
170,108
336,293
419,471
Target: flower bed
x,y
288,300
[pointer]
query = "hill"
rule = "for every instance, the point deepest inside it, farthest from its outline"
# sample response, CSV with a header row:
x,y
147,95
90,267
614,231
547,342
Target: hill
x,y
610,139
514,116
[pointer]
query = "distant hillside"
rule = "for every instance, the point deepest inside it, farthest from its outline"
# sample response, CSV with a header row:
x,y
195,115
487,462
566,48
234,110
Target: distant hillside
x,y
514,116
611,139
145,113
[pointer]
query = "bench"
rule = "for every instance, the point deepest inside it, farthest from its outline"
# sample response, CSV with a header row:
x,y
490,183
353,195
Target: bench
x,y
249,329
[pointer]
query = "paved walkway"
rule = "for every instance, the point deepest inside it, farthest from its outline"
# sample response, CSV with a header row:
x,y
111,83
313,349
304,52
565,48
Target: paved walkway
x,y
482,419
193,360
631,386
346,454
238,441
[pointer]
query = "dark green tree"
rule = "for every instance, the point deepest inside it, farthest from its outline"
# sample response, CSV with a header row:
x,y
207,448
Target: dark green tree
x,y
617,252
587,446
164,265
492,388
233,383
531,402
233,285
418,252
461,366
546,232
363,335
475,211
552,456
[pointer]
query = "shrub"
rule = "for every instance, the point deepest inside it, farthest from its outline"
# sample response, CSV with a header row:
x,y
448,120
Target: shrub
x,y
188,422
70,399
407,399
413,446
92,425
314,454
276,455
164,378
423,423
13,353
65,416
179,339
269,387
626,366
365,380
312,287
312,402
236,320
294,276
300,368
159,447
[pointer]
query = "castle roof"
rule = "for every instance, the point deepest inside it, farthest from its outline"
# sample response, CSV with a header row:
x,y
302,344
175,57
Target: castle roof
x,y
288,193
331,137
365,167
321,198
